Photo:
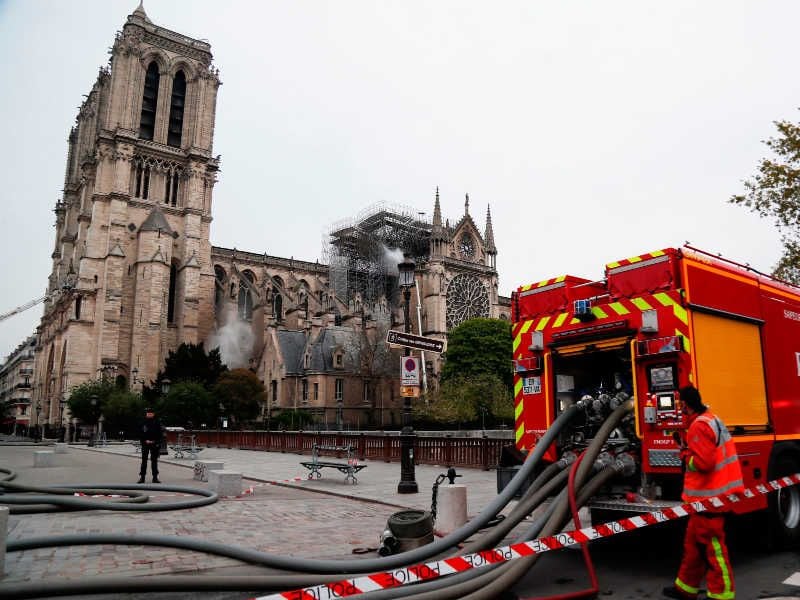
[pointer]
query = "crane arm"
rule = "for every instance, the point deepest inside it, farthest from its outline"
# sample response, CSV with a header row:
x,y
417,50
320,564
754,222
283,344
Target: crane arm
x,y
23,308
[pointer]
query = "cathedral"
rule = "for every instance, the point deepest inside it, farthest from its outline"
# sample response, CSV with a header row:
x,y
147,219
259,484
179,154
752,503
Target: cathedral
x,y
134,273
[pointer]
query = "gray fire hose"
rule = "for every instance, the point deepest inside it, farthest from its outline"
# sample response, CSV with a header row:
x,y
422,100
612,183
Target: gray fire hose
x,y
308,566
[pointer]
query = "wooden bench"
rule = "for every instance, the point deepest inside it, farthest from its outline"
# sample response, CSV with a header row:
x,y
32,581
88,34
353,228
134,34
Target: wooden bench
x,y
349,468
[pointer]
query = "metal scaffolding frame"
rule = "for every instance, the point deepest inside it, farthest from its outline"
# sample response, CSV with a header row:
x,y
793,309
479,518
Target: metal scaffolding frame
x,y
363,251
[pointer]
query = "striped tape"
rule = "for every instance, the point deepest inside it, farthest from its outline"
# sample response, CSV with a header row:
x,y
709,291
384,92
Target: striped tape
x,y
458,564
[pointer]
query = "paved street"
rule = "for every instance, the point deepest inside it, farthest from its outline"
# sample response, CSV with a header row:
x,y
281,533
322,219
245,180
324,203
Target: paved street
x,y
286,514
290,518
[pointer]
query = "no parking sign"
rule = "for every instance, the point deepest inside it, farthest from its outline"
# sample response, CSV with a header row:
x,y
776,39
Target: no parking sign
x,y
409,371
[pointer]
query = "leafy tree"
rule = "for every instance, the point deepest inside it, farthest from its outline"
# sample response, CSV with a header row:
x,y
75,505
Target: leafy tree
x,y
479,347
189,362
774,192
292,419
482,400
87,400
122,411
187,401
242,394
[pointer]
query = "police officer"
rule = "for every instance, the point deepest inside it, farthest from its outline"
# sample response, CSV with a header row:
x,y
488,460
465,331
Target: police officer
x,y
711,469
150,435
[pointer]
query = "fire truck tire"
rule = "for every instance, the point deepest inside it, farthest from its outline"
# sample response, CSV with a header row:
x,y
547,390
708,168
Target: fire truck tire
x,y
784,504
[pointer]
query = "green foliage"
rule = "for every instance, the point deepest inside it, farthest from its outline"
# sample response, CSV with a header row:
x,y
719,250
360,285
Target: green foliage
x,y
81,399
120,408
188,401
122,411
482,401
242,394
189,362
774,192
479,347
291,420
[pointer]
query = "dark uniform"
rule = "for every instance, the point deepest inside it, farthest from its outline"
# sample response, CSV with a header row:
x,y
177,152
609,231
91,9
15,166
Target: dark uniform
x,y
150,435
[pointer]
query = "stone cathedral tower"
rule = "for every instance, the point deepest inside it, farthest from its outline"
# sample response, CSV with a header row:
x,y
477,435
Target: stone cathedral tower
x,y
132,276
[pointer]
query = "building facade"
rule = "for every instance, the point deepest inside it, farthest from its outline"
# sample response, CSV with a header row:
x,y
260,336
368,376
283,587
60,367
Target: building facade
x,y
16,385
134,273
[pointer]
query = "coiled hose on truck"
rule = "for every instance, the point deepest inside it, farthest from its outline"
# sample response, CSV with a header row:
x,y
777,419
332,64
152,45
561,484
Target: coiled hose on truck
x,y
311,571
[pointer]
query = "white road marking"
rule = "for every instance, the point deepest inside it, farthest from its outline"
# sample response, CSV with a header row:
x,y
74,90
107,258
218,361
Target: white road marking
x,y
793,579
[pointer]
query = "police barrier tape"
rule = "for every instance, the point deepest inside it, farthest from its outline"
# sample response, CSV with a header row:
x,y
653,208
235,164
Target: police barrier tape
x,y
440,568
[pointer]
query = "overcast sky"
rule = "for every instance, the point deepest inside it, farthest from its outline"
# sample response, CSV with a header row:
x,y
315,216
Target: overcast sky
x,y
595,130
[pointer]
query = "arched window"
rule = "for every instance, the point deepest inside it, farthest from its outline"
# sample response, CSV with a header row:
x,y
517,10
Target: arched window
x,y
176,109
173,280
149,102
245,303
219,288
277,299
78,308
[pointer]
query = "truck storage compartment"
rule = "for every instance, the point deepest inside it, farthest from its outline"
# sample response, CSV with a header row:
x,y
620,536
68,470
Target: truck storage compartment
x,y
730,369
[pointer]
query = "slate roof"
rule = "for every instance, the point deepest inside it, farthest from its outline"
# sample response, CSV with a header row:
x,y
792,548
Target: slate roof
x,y
292,345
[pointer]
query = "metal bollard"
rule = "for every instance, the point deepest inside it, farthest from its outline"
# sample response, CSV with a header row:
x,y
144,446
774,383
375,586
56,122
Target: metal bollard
x,y
3,533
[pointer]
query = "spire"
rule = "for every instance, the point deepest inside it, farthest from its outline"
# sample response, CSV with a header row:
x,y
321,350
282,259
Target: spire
x,y
437,211
139,12
489,235
466,205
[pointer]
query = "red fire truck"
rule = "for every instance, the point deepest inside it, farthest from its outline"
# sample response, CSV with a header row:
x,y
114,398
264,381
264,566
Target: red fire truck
x,y
655,323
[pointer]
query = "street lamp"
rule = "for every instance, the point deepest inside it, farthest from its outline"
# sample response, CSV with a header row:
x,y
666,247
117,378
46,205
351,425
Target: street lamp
x,y
165,383
38,425
408,483
93,401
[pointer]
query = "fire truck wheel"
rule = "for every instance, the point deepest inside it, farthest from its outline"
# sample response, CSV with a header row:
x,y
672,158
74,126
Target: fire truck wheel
x,y
784,504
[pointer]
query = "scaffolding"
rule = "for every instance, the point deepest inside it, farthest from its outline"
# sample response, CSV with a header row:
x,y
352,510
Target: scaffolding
x,y
363,252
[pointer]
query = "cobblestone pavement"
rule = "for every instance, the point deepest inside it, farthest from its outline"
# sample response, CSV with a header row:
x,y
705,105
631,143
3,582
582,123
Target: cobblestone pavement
x,y
292,518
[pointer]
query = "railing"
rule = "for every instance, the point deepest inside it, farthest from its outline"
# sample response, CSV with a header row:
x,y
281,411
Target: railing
x,y
481,453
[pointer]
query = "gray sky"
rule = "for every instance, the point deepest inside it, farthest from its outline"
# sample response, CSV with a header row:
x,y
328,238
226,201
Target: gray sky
x,y
596,130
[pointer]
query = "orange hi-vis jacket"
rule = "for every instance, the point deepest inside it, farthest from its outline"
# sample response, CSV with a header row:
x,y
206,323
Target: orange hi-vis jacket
x,y
712,466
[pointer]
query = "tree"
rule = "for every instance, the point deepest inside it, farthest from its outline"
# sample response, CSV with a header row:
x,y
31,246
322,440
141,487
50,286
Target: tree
x,y
774,192
242,394
482,400
189,362
479,347
122,411
188,401
87,400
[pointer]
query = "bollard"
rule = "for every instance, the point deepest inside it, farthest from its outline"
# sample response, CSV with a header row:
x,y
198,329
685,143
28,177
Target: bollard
x,y
44,458
61,448
3,533
451,510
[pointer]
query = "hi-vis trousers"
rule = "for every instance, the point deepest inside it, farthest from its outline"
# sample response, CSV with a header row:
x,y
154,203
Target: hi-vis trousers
x,y
706,554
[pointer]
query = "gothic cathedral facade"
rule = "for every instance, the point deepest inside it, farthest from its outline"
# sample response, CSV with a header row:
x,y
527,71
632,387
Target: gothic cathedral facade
x,y
134,273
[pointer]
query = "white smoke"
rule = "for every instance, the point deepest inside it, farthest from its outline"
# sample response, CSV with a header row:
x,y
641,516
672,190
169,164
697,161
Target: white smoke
x,y
391,258
234,339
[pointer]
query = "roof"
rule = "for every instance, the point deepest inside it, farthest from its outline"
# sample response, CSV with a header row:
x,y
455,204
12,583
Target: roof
x,y
292,346
156,221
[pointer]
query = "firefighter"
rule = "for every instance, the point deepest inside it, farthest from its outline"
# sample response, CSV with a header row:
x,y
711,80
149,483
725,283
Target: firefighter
x,y
711,469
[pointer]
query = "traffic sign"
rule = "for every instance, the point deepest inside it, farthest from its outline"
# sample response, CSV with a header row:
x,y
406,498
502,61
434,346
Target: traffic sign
x,y
409,371
418,342
409,391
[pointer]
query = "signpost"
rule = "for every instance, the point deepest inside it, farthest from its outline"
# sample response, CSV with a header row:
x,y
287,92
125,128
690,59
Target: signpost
x,y
419,342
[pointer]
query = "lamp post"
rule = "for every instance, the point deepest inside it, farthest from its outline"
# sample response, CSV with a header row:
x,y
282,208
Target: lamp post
x,y
38,425
408,483
93,401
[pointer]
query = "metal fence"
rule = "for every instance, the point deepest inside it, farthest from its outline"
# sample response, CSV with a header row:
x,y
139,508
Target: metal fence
x,y
448,450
